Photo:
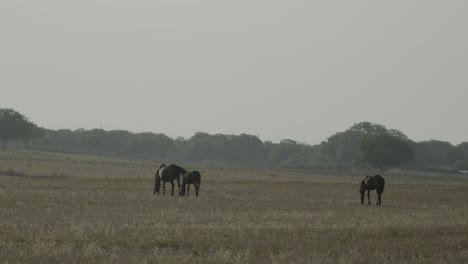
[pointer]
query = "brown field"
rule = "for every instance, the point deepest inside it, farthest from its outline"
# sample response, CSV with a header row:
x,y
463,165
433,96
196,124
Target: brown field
x,y
58,208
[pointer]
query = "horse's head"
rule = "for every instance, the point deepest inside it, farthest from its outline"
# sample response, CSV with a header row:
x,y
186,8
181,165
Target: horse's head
x,y
157,182
157,187
184,175
362,190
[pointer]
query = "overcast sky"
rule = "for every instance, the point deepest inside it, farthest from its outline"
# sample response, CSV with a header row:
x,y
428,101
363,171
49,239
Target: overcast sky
x,y
293,69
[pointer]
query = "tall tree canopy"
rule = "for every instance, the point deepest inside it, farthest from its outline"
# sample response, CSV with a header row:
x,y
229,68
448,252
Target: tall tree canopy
x,y
342,147
15,126
384,151
436,152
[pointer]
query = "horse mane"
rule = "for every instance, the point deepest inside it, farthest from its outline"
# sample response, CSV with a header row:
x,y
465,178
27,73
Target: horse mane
x,y
364,180
179,168
182,169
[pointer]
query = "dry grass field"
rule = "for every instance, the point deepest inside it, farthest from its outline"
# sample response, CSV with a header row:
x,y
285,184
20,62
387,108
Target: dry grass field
x,y
58,208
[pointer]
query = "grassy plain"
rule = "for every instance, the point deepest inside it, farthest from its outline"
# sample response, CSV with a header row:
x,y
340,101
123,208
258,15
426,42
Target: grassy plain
x,y
57,208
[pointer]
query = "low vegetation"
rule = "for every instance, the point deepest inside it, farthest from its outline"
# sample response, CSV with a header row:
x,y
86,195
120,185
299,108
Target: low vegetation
x,y
82,209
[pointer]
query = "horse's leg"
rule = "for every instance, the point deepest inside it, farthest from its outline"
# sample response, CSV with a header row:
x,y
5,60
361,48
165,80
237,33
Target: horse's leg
x,y
368,197
188,189
172,184
182,190
178,185
379,198
197,187
164,187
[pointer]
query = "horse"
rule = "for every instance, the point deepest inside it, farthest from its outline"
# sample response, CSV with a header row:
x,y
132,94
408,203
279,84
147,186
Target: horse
x,y
188,178
167,174
369,183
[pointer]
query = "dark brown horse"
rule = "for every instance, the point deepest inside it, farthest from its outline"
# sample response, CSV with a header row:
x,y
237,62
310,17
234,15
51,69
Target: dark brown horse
x,y
188,178
369,183
167,174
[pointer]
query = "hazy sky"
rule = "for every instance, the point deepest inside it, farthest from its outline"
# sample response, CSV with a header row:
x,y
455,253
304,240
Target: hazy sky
x,y
276,69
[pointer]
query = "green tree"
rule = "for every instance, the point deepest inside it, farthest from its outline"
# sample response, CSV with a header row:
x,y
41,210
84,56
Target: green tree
x,y
461,165
152,144
33,131
464,146
384,151
62,139
286,152
201,147
368,129
342,147
245,148
455,154
15,126
92,139
434,153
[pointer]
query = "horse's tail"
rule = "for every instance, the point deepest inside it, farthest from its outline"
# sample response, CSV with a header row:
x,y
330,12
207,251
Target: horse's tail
x,y
197,177
379,183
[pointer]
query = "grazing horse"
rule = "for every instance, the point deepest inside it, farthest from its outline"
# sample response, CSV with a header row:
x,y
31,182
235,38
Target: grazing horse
x,y
188,178
167,174
369,183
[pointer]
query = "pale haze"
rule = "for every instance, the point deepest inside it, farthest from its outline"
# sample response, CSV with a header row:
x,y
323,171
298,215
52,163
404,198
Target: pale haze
x,y
300,70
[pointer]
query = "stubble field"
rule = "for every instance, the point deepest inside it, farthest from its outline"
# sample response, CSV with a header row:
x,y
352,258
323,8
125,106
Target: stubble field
x,y
58,208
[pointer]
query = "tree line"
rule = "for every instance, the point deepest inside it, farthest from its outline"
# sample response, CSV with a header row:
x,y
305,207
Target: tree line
x,y
364,144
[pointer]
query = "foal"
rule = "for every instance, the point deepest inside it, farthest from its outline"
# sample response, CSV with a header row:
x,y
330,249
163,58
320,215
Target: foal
x,y
189,178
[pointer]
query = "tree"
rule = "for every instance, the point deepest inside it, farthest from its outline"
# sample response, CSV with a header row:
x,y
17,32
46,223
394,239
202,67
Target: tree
x,y
152,144
434,152
455,154
15,126
201,147
464,146
342,147
384,151
368,129
461,165
244,148
33,131
397,133
287,149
